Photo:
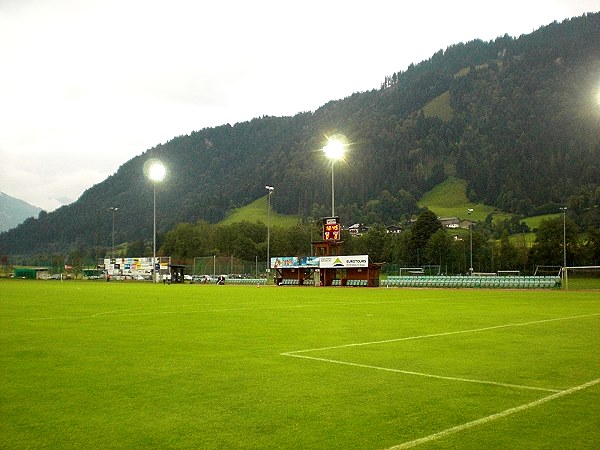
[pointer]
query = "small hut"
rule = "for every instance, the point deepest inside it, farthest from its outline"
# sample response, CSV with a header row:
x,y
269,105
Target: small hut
x,y
176,272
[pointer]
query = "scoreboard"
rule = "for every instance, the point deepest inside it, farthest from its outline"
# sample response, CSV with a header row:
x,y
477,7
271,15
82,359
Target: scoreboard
x,y
331,232
332,229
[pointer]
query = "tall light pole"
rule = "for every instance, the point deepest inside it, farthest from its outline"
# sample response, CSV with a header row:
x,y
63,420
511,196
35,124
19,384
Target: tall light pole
x,y
156,171
113,209
564,269
270,189
334,150
470,210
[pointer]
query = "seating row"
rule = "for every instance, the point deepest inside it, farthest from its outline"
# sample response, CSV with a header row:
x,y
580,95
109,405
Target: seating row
x,y
245,280
356,283
362,283
511,282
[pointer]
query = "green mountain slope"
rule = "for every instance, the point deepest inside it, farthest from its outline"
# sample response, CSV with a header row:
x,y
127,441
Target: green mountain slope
x,y
520,124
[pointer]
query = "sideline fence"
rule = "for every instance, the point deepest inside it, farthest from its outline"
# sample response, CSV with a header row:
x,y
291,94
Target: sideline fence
x,y
226,265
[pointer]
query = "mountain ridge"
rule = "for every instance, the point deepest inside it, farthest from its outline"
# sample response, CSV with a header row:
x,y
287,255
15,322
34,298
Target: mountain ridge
x,y
521,133
14,211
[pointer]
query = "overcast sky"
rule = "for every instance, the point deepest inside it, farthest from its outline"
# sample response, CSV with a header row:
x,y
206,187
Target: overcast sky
x,y
86,85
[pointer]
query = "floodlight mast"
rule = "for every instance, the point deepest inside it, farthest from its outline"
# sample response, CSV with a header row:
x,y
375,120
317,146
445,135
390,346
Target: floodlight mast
x,y
470,210
270,189
156,173
113,209
564,211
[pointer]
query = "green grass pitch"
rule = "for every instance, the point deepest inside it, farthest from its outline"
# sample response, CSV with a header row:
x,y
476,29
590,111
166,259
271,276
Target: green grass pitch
x,y
136,365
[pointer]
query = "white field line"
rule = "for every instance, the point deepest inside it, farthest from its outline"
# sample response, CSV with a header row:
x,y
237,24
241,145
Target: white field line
x,y
117,312
300,353
428,375
124,312
555,393
449,333
500,415
231,308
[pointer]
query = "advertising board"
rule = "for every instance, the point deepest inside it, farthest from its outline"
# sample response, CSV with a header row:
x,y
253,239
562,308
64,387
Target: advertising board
x,y
341,262
323,262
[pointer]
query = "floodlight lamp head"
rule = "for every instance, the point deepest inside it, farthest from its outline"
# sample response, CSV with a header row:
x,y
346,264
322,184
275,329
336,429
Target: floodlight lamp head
x,y
334,149
155,170
269,188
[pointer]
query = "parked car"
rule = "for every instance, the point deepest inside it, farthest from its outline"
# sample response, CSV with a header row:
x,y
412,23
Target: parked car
x,y
201,279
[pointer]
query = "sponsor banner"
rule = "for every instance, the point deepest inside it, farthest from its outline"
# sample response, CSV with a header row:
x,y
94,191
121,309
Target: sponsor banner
x,y
309,261
333,262
323,262
284,262
134,266
293,262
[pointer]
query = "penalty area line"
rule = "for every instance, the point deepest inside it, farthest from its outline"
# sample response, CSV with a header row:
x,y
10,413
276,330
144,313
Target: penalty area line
x,y
490,418
420,374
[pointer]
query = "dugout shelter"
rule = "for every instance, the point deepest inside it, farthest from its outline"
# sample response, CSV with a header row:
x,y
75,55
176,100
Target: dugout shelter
x,y
176,271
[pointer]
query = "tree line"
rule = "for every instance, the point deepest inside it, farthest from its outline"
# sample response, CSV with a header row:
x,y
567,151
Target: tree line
x,y
424,242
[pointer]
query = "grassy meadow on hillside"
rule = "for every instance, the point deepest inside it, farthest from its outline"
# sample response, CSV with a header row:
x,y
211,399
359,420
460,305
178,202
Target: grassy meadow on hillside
x,y
534,222
449,199
131,365
257,212
439,107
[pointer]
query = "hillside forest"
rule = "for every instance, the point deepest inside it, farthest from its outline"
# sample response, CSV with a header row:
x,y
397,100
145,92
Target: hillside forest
x,y
518,119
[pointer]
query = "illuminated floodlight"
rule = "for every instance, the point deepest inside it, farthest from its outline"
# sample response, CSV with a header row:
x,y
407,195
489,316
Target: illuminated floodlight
x,y
156,171
334,150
